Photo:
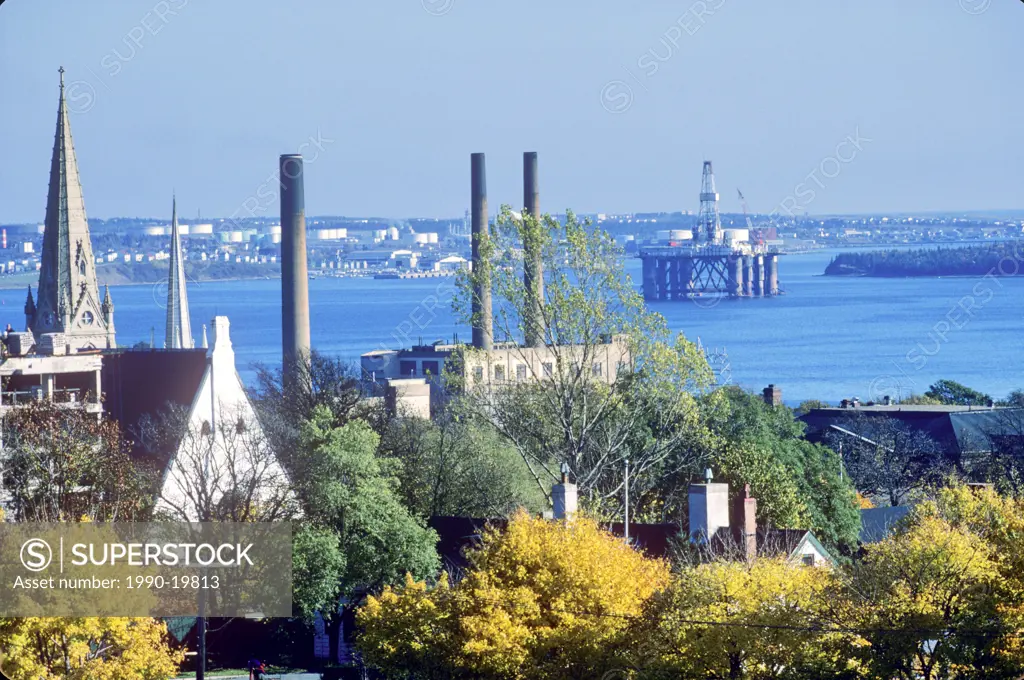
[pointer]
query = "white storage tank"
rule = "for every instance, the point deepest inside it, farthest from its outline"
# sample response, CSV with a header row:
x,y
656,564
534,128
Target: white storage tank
x,y
432,237
342,233
421,239
736,235
679,234
664,235
202,229
235,236
182,229
322,234
392,233
155,231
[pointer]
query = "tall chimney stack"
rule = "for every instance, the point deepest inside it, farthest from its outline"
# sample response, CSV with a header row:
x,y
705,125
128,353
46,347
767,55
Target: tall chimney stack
x,y
533,263
483,330
294,273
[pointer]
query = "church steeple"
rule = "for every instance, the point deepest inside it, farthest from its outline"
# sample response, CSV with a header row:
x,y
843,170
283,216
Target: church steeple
x,y
68,300
179,327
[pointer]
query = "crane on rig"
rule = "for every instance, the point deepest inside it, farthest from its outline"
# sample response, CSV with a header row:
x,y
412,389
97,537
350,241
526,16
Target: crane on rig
x,y
754,233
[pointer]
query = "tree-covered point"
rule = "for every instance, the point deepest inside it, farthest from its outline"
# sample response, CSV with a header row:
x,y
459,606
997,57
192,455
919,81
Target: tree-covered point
x,y
995,259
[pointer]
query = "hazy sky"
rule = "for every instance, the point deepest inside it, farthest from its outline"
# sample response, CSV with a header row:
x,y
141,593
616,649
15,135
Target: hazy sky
x,y
623,100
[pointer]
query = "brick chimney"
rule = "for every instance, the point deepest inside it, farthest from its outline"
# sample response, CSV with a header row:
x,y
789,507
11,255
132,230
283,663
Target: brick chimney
x,y
564,497
745,523
709,509
772,395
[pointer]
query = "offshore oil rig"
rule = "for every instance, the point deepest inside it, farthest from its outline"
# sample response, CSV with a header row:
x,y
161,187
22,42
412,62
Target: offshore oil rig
x,y
709,260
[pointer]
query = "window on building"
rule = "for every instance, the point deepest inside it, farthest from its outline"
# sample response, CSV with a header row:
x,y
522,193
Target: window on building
x,y
478,374
549,369
206,430
430,368
407,368
521,372
499,373
596,369
240,425
809,560
622,368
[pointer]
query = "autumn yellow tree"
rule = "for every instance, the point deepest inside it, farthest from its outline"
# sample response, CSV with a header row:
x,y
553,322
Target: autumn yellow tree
x,y
86,649
765,619
541,599
934,604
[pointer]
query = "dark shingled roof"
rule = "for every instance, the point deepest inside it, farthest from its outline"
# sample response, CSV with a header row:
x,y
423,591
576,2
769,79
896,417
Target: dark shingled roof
x,y
876,523
137,383
957,429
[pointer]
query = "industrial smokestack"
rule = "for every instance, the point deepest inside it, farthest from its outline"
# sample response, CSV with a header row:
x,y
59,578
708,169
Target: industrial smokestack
x,y
533,263
294,274
483,329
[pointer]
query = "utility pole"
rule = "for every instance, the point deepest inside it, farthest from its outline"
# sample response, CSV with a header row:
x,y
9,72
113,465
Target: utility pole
x,y
627,500
201,635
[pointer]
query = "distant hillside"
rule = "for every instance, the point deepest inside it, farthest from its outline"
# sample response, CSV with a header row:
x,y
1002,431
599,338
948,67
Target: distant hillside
x,y
119,273
997,259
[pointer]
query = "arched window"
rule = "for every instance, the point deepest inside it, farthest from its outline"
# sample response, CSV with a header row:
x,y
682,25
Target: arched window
x,y
206,431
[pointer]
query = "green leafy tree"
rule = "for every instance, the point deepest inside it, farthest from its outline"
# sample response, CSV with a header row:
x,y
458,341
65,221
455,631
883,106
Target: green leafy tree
x,y
920,400
809,405
359,536
455,466
284,406
798,484
614,383
954,394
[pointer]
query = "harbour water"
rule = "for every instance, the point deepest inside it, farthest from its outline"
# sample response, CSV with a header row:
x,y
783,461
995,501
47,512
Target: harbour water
x,y
826,338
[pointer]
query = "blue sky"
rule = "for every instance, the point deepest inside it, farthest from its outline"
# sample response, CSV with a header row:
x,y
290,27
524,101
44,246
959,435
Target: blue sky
x,y
622,101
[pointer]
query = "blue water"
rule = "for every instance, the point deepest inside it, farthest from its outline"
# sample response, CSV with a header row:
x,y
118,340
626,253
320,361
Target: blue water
x,y
826,338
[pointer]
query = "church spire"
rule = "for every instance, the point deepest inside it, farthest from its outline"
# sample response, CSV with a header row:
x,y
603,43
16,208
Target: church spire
x,y
179,327
68,300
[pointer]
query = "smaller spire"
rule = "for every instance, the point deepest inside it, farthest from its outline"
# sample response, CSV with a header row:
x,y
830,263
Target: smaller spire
x,y
206,343
108,304
30,303
61,72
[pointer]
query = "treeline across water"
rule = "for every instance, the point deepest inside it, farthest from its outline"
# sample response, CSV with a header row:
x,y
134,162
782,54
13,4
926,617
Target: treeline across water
x,y
996,259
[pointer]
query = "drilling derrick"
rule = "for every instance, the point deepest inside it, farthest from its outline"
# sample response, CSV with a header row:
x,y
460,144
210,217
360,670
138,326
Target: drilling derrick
x,y
709,223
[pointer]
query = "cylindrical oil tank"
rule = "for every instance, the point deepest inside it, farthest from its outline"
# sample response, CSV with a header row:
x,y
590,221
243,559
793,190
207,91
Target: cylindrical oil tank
x,y
736,235
432,237
393,233
202,229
